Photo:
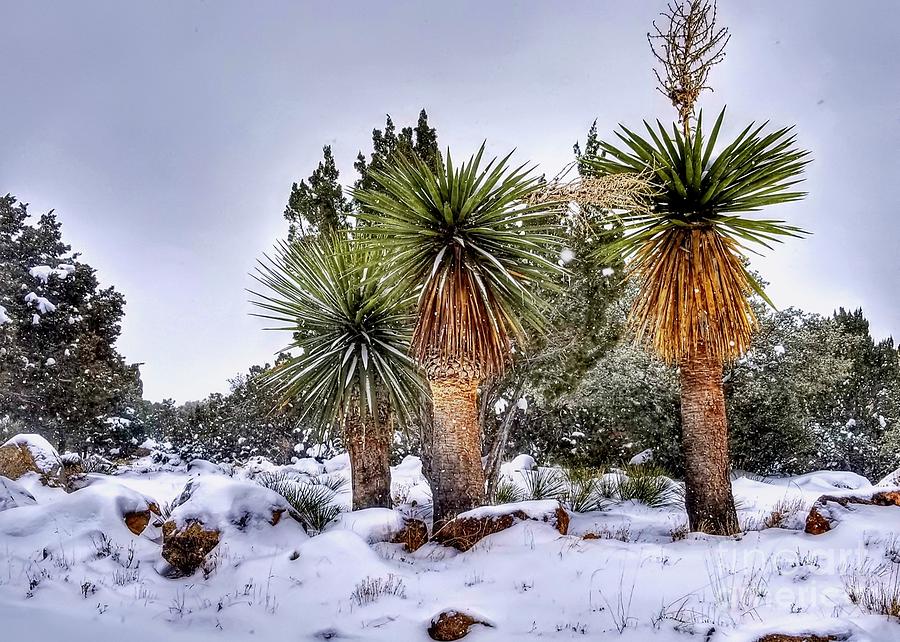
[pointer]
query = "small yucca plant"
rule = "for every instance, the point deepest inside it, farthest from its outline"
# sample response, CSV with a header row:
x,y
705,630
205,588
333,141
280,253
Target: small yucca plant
x,y
350,364
312,502
544,483
507,492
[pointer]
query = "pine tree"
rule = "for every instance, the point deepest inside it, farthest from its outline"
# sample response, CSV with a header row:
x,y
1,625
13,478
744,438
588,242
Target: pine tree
x,y
60,372
318,205
420,141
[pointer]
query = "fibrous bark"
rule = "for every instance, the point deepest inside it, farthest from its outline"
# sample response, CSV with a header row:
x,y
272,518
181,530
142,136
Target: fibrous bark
x,y
368,441
458,478
708,496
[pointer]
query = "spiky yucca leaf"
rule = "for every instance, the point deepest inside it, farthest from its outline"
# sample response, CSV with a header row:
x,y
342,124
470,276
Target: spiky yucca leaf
x,y
687,245
467,238
349,325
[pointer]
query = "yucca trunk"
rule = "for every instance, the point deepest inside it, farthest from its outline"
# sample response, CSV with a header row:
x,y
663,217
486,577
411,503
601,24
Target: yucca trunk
x,y
458,477
369,445
708,497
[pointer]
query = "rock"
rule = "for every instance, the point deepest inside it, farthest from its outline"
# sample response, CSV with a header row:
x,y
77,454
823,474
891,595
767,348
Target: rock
x,y
778,637
13,495
413,535
816,523
223,504
466,529
137,521
185,548
31,454
452,625
829,510
140,451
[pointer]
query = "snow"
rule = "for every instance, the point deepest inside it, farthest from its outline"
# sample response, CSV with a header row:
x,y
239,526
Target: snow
x,y
642,457
536,509
518,463
13,495
43,272
4,317
371,524
43,305
72,570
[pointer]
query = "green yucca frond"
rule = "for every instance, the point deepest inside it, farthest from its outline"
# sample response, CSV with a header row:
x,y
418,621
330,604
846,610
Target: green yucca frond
x,y
465,238
688,244
348,324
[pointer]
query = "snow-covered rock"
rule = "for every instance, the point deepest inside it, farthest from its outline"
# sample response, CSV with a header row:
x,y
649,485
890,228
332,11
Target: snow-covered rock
x,y
227,504
468,528
101,507
31,453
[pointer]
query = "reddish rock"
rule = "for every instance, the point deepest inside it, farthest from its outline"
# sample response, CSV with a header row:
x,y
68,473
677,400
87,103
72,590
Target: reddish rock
x,y
185,548
452,625
779,637
413,535
137,521
464,531
816,523
825,514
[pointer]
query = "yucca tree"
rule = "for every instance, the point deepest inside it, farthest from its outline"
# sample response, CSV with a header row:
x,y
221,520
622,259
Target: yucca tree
x,y
687,251
466,241
350,363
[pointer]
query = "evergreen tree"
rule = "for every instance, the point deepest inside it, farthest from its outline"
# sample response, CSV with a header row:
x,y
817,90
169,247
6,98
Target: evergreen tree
x,y
236,426
60,372
317,205
420,141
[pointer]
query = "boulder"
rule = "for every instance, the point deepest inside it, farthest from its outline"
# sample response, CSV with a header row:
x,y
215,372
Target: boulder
x,y
31,454
829,510
466,529
187,546
223,503
413,535
452,625
13,495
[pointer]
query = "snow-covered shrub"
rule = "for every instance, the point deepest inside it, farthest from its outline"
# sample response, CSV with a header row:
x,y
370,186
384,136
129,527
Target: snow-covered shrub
x,y
370,589
875,589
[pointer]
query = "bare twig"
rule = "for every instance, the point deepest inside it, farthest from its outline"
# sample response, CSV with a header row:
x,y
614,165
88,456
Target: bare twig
x,y
687,46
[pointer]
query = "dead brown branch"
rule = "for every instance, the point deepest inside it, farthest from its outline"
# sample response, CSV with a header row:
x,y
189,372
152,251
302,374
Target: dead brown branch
x,y
687,46
629,192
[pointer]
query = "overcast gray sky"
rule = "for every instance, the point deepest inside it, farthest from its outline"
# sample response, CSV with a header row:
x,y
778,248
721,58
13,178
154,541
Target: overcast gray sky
x,y
167,134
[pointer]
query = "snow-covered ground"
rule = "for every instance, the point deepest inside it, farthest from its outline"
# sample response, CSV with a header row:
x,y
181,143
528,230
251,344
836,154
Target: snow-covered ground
x,y
71,570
